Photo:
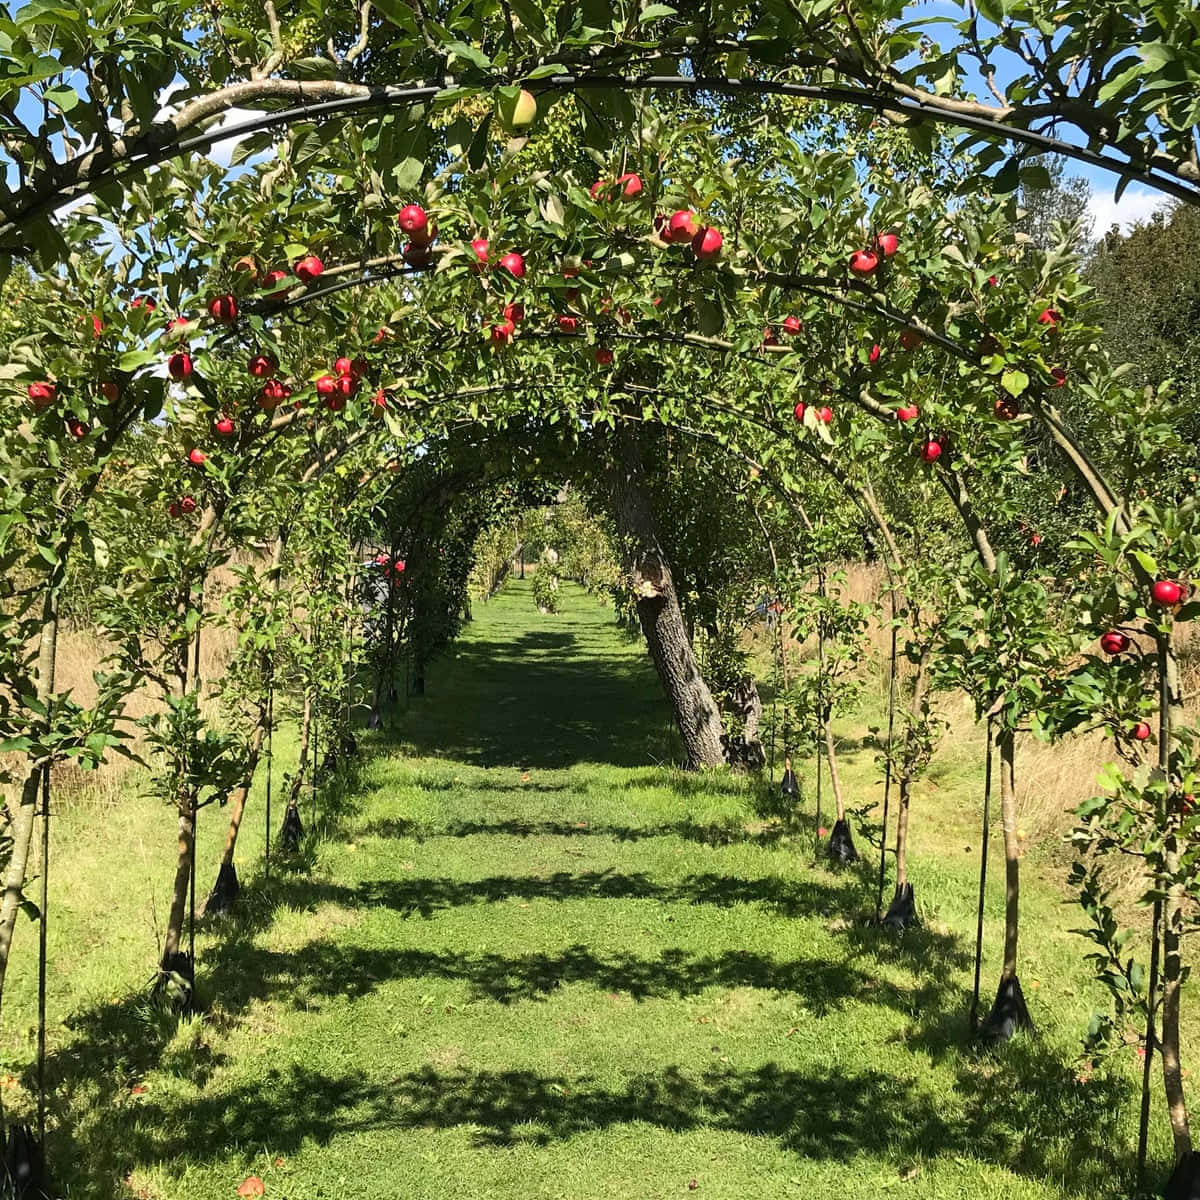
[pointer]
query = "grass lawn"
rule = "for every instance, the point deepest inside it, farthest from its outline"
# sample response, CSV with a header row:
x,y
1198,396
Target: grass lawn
x,y
530,959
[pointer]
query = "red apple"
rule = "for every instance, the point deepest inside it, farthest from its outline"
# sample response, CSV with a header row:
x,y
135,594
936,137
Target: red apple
x,y
326,385
1050,316
223,308
514,264
262,365
568,324
1114,642
224,426
769,338
863,262
173,510
633,185
346,386
1141,731
682,226
825,414
274,392
343,366
307,269
707,243
187,505
97,326
887,244
179,365
143,302
110,391
604,356
379,403
271,278
197,457
799,410
413,220
479,248
1059,375
76,427
514,312
993,281
42,394
1167,592
502,333
335,403
792,325
597,187
873,356
907,412
931,451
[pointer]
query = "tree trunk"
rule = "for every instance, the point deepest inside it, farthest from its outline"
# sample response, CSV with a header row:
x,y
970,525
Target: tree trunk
x,y
908,768
183,876
834,779
658,610
1012,848
24,818
1170,715
1009,1012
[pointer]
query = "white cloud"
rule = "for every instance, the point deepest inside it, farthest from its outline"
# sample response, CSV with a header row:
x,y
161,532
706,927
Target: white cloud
x,y
222,152
1136,204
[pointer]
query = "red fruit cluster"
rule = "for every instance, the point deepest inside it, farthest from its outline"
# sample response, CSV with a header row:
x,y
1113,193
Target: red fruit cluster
x,y
273,393
907,412
627,186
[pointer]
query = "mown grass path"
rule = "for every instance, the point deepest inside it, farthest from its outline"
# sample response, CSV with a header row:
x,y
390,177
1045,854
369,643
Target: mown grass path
x,y
528,962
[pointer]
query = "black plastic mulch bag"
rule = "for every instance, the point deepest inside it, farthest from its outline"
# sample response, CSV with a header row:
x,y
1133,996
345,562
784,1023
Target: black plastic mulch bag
x,y
841,844
224,893
1009,1013
24,1176
1184,1183
902,912
291,832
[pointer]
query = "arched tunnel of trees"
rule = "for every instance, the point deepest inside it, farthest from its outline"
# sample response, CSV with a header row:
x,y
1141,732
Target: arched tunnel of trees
x,y
674,404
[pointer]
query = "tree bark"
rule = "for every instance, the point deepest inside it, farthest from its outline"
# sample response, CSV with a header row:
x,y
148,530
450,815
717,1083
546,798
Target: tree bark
x,y
834,780
908,767
1006,743
696,712
1170,716
183,876
25,816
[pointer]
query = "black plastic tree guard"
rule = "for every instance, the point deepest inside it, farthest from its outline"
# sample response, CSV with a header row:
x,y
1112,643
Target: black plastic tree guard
x,y
375,720
175,985
1009,1013
349,745
25,1175
789,786
902,912
841,844
291,832
1184,1183
225,891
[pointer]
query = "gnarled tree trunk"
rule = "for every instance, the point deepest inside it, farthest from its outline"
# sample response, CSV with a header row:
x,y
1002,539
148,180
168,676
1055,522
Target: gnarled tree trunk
x,y
662,623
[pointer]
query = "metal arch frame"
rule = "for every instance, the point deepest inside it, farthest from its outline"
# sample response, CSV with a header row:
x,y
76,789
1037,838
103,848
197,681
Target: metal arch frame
x,y
395,96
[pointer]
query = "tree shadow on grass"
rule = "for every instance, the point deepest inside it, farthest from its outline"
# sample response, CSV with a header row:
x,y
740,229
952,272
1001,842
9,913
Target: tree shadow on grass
x,y
538,702
837,1115
708,833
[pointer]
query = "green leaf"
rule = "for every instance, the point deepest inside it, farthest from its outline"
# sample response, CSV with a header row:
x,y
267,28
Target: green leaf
x,y
1014,381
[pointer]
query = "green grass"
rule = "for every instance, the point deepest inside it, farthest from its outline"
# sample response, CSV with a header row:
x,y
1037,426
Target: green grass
x,y
528,958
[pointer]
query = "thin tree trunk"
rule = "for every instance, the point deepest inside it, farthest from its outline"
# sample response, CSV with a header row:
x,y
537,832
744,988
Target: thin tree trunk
x,y
908,768
834,780
1006,743
237,804
696,712
24,819
1170,711
183,876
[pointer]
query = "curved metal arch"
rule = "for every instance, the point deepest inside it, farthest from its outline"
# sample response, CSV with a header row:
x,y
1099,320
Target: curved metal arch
x,y
392,96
